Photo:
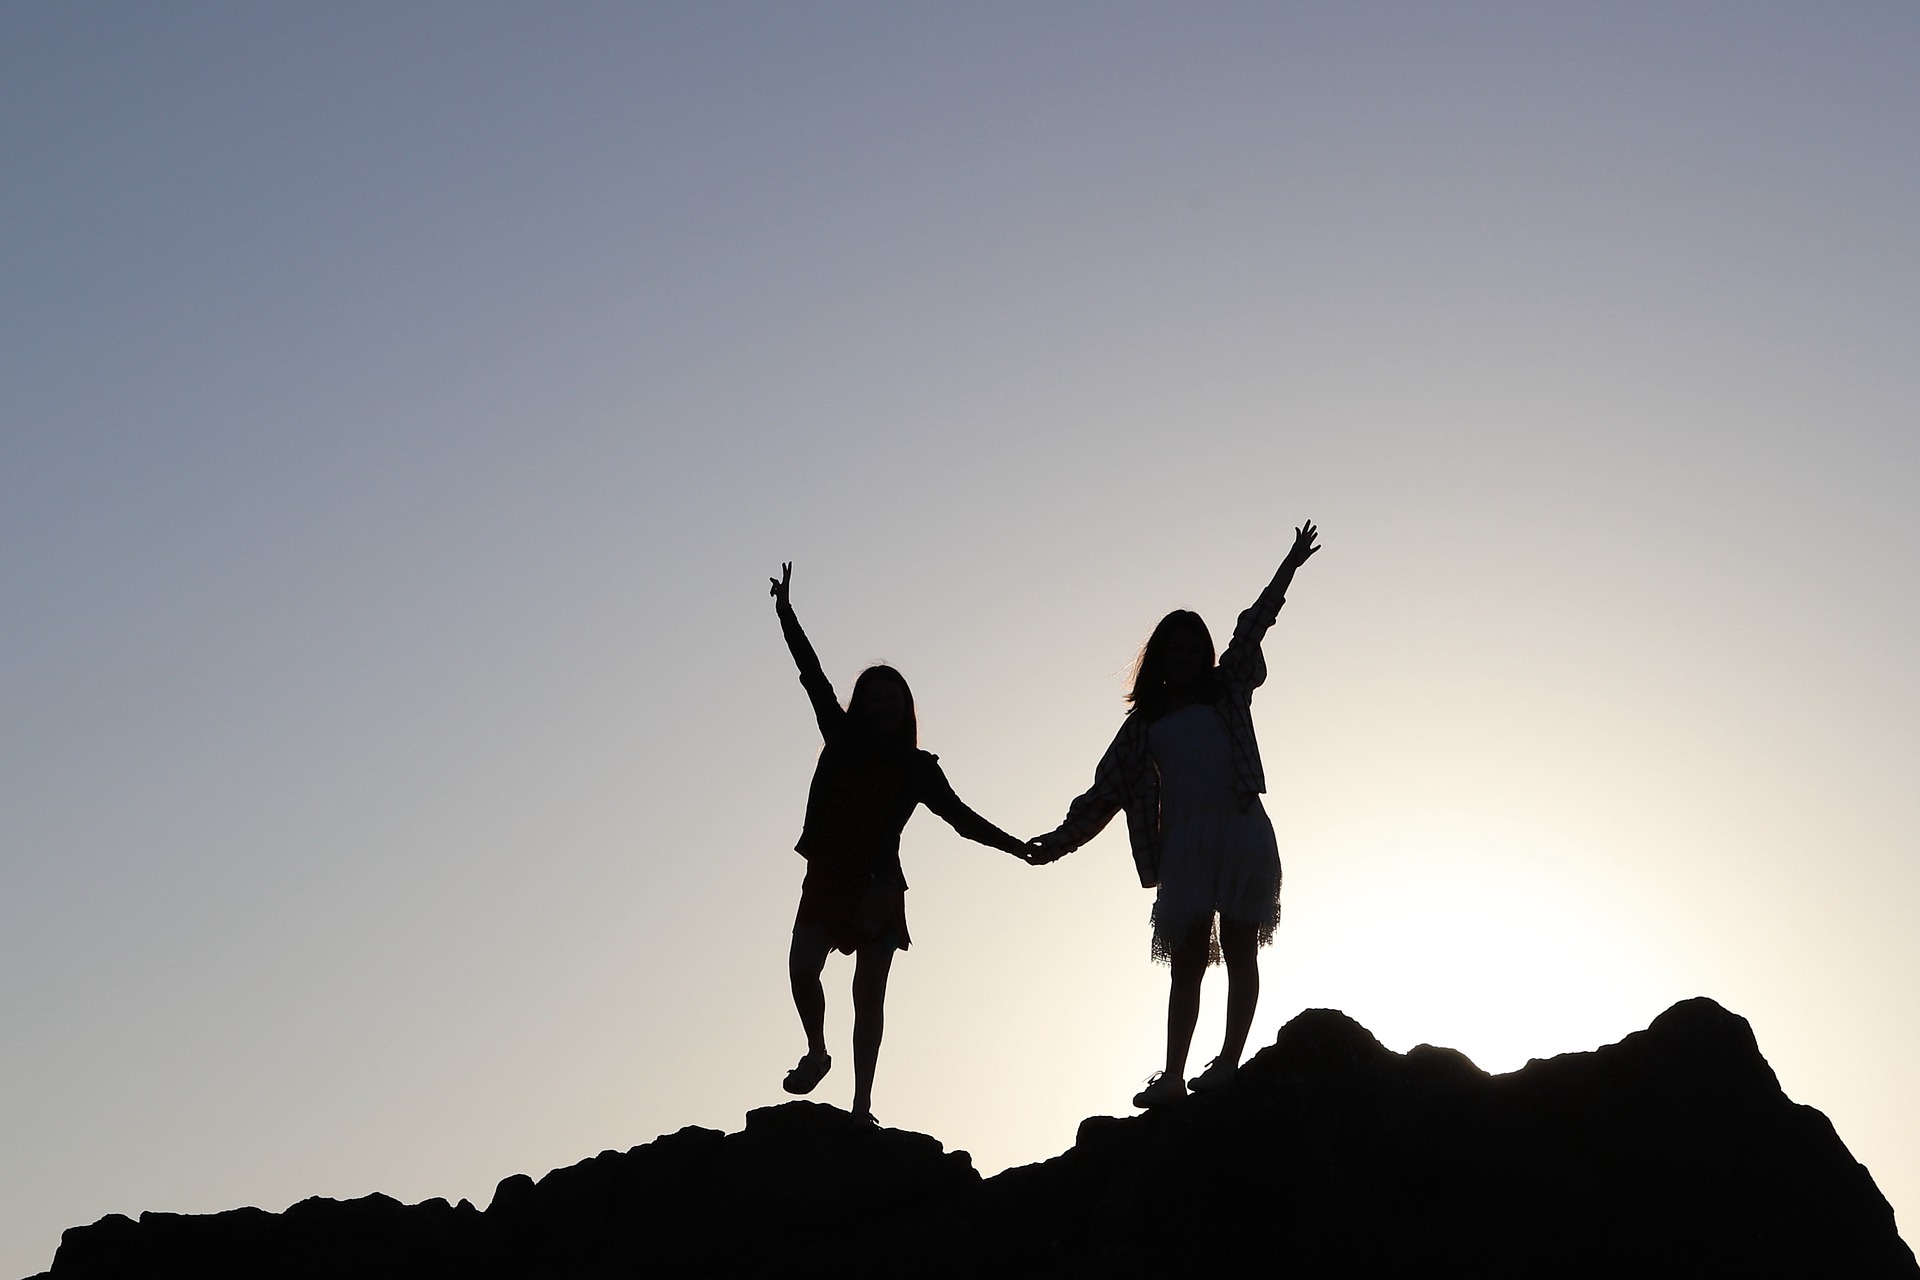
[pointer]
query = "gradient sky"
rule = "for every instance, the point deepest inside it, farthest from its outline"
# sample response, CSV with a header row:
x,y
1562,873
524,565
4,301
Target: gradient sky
x,y
404,406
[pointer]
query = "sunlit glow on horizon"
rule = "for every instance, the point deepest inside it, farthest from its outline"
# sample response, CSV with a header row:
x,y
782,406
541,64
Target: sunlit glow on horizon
x,y
1482,950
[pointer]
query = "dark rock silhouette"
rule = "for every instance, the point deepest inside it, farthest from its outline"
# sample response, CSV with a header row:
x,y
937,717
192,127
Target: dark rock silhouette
x,y
1673,1152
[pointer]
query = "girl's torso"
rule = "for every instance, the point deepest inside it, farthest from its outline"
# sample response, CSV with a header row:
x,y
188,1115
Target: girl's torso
x,y
1194,756
859,802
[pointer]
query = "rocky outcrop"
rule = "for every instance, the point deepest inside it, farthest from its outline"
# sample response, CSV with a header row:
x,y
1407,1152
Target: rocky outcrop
x,y
1672,1153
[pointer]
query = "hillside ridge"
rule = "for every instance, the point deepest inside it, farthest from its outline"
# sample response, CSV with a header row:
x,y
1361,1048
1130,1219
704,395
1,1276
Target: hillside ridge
x,y
1672,1152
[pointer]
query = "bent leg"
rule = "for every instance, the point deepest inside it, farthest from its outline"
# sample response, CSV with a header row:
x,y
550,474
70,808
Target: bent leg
x,y
869,1020
1240,947
805,959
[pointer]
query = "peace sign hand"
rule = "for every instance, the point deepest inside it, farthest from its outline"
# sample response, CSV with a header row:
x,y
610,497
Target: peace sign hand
x,y
777,587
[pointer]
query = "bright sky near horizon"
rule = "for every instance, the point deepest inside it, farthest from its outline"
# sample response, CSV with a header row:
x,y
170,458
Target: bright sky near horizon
x,y
404,407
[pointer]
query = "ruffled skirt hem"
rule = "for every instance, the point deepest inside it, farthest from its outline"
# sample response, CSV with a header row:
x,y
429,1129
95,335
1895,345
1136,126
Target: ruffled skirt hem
x,y
1221,866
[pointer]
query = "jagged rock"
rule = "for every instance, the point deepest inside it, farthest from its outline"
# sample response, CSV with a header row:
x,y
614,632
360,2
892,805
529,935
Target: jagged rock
x,y
801,1182
1673,1153
315,1239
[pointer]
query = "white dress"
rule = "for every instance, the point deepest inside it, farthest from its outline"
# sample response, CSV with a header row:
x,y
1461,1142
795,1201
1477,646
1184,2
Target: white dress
x,y
1215,857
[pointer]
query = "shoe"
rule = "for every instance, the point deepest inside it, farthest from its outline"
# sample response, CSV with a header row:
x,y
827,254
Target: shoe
x,y
808,1073
1161,1089
1218,1075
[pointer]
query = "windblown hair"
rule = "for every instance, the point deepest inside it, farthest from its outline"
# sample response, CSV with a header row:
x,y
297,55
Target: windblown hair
x,y
904,736
1150,693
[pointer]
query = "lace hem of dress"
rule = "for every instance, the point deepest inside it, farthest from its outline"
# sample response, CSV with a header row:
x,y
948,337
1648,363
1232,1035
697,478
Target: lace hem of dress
x,y
1170,928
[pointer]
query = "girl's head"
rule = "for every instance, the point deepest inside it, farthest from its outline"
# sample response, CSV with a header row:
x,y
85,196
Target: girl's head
x,y
880,711
1178,656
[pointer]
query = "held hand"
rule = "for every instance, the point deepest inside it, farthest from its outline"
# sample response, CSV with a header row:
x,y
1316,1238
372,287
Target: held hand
x,y
1303,545
777,587
1039,852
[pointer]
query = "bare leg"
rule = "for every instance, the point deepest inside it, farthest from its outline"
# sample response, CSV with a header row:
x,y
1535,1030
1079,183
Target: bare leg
x,y
804,961
870,972
1240,947
1189,965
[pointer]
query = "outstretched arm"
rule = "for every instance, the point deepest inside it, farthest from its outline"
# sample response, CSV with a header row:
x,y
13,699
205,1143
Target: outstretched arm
x,y
1094,808
1242,660
826,707
940,798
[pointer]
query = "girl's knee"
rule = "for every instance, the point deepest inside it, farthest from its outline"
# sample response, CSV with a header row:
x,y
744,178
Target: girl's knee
x,y
1189,965
804,963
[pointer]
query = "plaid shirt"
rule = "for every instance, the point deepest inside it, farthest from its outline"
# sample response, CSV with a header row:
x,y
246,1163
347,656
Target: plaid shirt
x,y
1127,778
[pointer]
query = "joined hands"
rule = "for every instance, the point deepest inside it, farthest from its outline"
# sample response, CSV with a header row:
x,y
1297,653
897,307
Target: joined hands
x,y
1039,851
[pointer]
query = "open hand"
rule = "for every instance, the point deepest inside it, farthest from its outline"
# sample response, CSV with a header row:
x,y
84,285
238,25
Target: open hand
x,y
777,587
1303,544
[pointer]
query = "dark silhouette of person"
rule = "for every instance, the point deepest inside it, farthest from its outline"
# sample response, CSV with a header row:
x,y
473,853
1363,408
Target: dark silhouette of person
x,y
870,777
1186,769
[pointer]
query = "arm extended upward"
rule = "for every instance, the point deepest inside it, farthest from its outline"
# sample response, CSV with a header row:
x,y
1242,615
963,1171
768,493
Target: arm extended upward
x,y
1242,662
826,707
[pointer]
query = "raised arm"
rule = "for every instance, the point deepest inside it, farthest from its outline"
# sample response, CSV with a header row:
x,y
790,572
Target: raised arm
x,y
1243,661
826,707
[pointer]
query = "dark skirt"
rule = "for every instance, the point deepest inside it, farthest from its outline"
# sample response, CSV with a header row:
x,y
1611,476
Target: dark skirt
x,y
841,898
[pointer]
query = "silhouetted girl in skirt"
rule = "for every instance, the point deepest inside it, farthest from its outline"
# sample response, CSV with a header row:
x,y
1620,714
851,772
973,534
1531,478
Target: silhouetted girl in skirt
x,y
870,777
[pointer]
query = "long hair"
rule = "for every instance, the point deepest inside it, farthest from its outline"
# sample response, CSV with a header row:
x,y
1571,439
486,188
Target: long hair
x,y
904,736
1150,695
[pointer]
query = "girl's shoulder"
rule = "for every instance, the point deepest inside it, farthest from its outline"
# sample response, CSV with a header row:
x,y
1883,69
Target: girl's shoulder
x,y
1132,736
914,759
924,772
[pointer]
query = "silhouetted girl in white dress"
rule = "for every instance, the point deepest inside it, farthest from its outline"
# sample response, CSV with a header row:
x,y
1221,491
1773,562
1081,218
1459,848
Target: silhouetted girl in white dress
x,y
1186,770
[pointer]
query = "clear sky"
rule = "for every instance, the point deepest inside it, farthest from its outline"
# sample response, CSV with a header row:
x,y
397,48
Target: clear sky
x,y
402,408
